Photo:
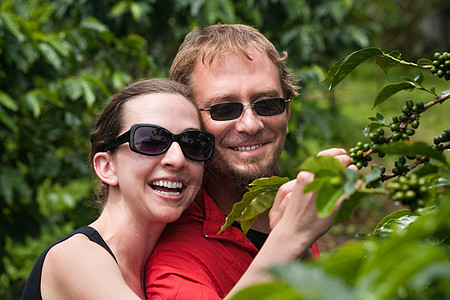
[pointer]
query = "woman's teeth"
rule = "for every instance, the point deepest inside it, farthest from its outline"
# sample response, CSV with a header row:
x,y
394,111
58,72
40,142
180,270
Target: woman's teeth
x,y
171,188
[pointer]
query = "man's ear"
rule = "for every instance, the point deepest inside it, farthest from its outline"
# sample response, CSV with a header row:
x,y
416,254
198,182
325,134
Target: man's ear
x,y
104,168
288,114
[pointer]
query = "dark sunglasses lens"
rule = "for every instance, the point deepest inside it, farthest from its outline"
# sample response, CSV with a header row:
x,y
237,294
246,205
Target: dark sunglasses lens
x,y
197,145
270,107
226,111
151,140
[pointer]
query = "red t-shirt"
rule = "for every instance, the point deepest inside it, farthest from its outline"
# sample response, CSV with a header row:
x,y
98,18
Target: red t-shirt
x,y
191,261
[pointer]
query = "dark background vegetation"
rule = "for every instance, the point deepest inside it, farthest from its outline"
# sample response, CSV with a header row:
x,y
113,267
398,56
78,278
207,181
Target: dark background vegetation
x,y
60,60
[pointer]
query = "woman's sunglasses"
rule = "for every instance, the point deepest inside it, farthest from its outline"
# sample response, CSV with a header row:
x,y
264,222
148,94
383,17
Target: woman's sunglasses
x,y
232,110
152,140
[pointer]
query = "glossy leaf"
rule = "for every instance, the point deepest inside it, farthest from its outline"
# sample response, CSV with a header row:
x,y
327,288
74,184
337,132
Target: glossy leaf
x,y
348,206
260,197
413,148
7,101
6,120
424,62
349,63
33,103
267,291
371,128
88,93
312,282
395,221
390,90
378,118
50,55
12,25
315,164
386,63
327,197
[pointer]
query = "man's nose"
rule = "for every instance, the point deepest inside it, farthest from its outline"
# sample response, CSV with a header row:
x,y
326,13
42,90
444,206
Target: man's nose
x,y
249,122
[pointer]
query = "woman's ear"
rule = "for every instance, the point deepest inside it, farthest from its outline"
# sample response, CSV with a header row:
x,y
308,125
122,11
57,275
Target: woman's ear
x,y
104,168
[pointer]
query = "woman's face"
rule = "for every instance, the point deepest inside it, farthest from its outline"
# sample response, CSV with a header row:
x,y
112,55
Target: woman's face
x,y
160,187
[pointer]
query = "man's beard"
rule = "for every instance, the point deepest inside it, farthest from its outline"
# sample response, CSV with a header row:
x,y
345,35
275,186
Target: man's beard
x,y
240,180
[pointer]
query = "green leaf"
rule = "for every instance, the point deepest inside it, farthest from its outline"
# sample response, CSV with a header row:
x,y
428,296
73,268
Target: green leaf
x,y
59,45
350,62
350,181
8,121
397,220
318,183
7,101
211,10
424,62
419,77
378,118
414,148
6,186
262,202
259,198
50,96
398,259
267,291
88,93
50,55
119,9
371,128
327,197
333,70
94,25
433,272
12,25
374,174
315,164
346,209
33,103
72,87
390,90
312,282
386,63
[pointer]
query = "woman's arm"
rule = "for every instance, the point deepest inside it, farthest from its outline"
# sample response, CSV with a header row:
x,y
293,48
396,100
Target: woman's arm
x,y
80,269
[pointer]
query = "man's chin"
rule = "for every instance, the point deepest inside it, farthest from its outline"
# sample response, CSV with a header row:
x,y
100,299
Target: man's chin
x,y
241,177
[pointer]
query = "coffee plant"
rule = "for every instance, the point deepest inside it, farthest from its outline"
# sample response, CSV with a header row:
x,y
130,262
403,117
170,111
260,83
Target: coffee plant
x,y
407,254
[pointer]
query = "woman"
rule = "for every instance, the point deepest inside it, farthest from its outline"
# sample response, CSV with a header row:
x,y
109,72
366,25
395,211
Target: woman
x,y
143,186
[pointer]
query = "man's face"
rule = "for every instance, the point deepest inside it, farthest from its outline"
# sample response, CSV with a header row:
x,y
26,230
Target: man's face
x,y
249,146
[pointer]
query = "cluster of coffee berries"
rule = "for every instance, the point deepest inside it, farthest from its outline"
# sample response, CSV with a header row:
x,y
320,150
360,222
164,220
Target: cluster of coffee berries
x,y
441,65
443,138
410,111
357,155
409,190
400,166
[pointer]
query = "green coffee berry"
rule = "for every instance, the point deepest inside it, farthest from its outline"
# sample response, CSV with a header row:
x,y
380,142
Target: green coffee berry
x,y
409,131
395,127
403,117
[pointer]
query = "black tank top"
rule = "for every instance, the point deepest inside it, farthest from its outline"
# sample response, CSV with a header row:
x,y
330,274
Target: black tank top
x,y
32,289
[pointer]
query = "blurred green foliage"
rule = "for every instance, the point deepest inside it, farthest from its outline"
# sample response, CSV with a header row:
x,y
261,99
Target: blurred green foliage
x,y
61,59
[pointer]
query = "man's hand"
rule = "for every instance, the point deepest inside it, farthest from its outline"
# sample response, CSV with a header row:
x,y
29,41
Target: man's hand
x,y
285,192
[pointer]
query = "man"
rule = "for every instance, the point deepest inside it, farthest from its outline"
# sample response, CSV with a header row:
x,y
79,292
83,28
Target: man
x,y
242,87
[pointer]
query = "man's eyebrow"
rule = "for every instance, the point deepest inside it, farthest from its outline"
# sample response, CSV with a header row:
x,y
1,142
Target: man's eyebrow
x,y
221,98
266,93
234,98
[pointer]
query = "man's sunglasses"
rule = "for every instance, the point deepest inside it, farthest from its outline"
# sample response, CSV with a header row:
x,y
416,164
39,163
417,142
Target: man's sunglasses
x,y
152,140
232,110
